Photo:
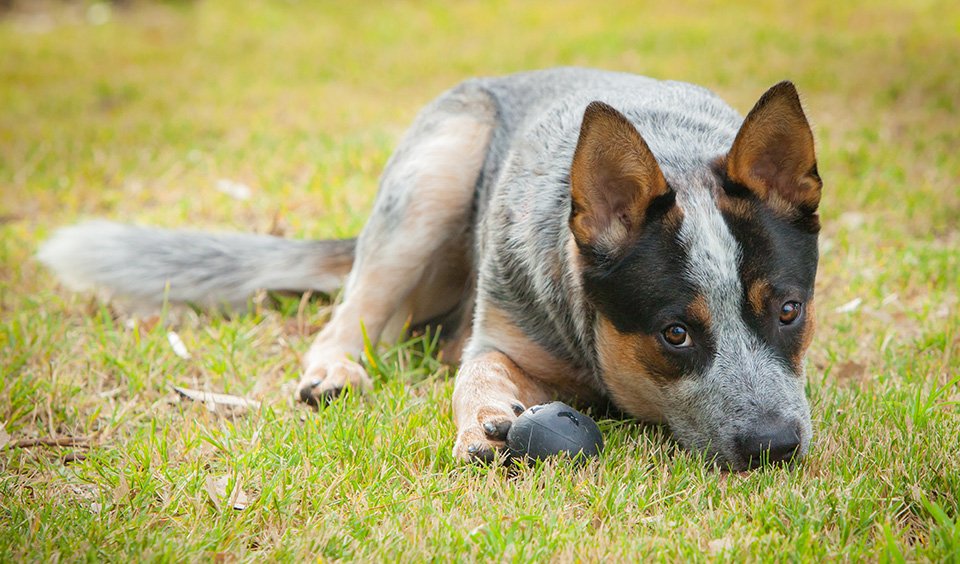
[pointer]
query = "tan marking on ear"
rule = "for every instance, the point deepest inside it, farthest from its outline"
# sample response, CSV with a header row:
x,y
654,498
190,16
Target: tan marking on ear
x,y
673,218
758,295
743,209
613,178
576,258
502,333
783,207
700,310
739,208
773,154
806,337
634,370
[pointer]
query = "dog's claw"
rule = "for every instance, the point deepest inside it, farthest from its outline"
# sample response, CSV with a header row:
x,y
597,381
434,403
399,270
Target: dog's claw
x,y
484,439
306,393
497,431
325,383
481,455
310,396
332,394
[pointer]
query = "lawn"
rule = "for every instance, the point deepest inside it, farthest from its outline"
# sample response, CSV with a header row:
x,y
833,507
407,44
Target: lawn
x,y
139,112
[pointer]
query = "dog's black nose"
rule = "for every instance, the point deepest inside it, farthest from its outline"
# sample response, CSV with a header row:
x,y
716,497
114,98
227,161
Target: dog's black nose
x,y
774,441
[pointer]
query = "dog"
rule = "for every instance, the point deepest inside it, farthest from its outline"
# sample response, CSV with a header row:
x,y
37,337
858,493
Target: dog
x,y
589,236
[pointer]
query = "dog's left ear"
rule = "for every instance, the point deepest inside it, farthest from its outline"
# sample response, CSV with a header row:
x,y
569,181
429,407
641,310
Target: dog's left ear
x,y
773,156
614,180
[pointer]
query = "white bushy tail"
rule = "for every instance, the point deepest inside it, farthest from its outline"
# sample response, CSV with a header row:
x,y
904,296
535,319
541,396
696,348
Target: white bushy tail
x,y
201,268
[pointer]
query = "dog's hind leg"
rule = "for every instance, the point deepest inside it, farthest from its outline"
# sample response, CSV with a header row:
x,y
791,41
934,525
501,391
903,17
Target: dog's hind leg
x,y
422,211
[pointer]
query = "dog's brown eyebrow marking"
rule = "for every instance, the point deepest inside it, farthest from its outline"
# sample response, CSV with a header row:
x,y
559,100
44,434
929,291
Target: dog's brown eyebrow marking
x,y
699,310
757,295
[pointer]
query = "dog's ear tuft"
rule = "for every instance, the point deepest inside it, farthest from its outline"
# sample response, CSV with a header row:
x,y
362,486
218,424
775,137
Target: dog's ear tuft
x,y
614,180
773,155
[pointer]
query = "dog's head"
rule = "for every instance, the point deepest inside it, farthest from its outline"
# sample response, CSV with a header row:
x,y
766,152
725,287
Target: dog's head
x,y
702,280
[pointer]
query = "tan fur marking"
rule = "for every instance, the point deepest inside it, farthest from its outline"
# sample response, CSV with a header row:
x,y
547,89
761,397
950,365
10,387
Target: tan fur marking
x,y
784,208
673,219
699,310
758,296
445,169
737,207
555,374
633,369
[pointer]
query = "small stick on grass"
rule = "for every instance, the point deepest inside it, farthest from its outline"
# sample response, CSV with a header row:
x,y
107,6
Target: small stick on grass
x,y
50,442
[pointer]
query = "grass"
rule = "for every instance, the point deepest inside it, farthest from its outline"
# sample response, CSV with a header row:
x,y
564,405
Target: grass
x,y
138,118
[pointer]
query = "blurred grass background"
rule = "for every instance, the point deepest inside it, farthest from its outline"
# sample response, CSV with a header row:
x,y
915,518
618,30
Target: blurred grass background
x,y
135,110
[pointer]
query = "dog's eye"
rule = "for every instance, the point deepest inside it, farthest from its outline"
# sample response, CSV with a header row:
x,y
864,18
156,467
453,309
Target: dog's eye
x,y
790,312
678,336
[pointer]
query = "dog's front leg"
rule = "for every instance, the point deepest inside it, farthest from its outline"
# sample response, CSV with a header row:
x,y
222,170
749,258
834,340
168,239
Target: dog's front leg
x,y
491,391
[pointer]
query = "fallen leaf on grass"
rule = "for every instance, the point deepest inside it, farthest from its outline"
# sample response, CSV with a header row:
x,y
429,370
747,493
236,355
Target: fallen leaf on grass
x,y
891,298
850,307
236,190
217,490
179,348
4,437
213,400
122,490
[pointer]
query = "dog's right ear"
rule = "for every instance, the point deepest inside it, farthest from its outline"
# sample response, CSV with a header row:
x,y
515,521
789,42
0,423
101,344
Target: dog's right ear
x,y
773,154
613,181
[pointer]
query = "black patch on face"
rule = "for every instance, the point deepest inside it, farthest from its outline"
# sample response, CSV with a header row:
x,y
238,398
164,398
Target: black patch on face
x,y
782,252
645,291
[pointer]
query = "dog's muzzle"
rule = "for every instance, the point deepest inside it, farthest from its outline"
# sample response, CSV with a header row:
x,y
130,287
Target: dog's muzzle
x,y
773,441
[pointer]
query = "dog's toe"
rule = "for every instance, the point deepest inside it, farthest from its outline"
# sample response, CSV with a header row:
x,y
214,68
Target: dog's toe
x,y
497,430
483,454
324,383
318,395
308,393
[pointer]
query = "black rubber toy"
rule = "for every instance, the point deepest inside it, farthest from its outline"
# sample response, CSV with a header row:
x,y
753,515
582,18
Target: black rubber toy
x,y
543,431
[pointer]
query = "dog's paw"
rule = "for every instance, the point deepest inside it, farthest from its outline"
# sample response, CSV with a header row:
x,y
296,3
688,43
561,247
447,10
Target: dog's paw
x,y
480,441
324,382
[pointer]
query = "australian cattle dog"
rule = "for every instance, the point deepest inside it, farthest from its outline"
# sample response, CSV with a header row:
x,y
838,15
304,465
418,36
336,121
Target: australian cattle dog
x,y
582,235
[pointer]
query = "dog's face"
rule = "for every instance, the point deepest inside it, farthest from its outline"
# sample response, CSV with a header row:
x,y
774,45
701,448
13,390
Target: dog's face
x,y
703,281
